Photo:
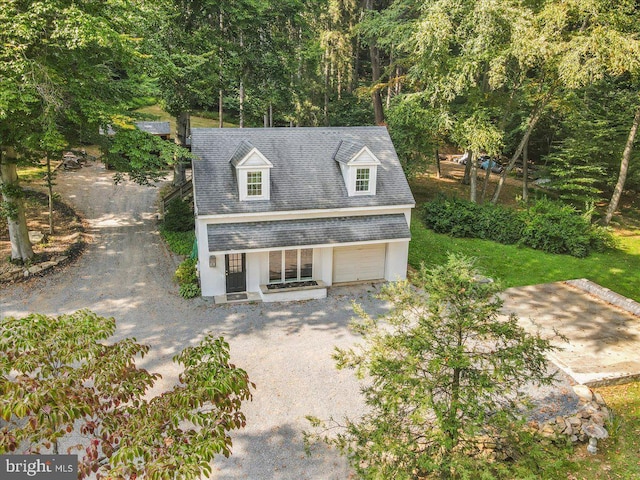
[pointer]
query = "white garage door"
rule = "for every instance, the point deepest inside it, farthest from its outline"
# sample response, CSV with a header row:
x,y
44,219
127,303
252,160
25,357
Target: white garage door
x,y
364,262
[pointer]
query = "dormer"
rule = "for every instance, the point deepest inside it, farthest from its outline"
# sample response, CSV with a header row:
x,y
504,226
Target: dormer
x,y
252,172
359,167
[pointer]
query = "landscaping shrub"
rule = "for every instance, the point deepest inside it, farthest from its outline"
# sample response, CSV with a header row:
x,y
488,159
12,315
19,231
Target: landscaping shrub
x,y
179,216
180,243
187,278
554,227
461,218
548,226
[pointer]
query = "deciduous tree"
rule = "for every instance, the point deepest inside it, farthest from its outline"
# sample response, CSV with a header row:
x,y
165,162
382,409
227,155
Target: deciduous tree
x,y
65,69
61,379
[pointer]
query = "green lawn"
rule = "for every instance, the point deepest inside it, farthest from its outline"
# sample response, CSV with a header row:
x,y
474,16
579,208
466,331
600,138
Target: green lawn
x,y
618,270
154,112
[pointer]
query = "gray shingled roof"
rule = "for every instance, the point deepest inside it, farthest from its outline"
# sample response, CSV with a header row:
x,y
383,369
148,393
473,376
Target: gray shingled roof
x,y
304,174
347,150
242,151
299,233
155,128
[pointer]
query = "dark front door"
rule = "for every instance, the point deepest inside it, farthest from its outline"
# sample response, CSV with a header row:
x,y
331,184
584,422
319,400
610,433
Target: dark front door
x,y
235,264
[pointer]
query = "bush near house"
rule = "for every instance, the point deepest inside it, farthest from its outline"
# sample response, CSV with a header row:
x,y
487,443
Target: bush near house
x,y
547,225
179,216
187,278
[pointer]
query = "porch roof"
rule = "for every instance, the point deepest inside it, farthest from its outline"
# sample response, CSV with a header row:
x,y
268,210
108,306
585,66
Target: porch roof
x,y
299,233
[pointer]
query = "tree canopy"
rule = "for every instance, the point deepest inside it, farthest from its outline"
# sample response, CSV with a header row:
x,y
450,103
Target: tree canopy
x,y
60,375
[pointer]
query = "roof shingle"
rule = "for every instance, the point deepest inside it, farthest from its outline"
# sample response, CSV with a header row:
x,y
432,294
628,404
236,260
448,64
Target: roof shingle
x,y
305,174
299,233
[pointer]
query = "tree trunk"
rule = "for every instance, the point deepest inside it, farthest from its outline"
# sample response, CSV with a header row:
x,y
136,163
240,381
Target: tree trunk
x,y
326,90
525,172
390,83
49,180
376,98
220,92
241,102
438,170
183,130
374,55
525,139
21,249
220,110
473,174
624,166
467,169
485,184
271,115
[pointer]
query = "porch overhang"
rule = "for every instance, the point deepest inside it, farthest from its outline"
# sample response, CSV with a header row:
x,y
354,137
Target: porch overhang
x,y
244,236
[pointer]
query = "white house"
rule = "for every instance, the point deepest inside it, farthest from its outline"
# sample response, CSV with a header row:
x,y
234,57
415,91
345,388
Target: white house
x,y
284,213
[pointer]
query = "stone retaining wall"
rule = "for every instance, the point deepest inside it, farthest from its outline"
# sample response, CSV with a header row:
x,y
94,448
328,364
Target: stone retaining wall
x,y
591,415
21,272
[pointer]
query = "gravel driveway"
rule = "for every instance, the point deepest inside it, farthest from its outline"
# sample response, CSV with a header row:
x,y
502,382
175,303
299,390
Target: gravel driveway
x,y
127,273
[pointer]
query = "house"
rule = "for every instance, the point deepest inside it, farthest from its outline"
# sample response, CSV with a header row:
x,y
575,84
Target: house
x,y
284,213
160,129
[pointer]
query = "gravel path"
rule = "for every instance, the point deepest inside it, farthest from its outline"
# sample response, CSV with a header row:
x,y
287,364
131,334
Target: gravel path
x,y
286,348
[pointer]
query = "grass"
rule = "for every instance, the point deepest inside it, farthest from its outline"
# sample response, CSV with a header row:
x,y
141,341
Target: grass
x,y
155,112
618,270
30,173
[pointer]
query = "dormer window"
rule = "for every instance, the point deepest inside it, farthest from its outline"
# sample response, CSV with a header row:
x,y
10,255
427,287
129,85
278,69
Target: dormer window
x,y
359,168
254,184
252,172
362,180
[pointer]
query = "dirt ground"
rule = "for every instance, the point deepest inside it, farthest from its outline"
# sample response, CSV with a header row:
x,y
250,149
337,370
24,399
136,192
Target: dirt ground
x,y
68,236
426,186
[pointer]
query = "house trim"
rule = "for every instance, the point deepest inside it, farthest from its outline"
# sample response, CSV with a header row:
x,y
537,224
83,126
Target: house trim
x,y
299,214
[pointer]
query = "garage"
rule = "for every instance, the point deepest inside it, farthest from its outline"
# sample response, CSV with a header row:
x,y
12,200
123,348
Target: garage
x,y
359,263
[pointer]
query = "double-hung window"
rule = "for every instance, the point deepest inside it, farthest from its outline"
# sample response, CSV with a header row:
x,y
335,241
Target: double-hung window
x,y
254,184
363,176
290,265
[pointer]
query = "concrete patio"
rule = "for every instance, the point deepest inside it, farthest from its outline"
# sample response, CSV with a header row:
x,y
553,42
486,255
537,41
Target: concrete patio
x,y
601,328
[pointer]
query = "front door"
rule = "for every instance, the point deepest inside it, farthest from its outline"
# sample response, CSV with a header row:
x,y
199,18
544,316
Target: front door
x,y
235,264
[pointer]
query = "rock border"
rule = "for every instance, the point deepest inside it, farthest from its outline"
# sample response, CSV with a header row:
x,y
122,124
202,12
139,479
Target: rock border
x,y
606,295
579,427
593,410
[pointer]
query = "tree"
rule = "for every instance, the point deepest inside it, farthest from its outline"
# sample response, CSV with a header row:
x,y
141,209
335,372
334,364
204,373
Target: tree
x,y
143,157
624,167
443,374
65,69
58,376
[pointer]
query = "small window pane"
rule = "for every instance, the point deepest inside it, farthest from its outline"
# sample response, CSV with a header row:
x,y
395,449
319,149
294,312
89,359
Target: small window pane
x,y
275,266
290,265
235,263
306,264
254,184
362,180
